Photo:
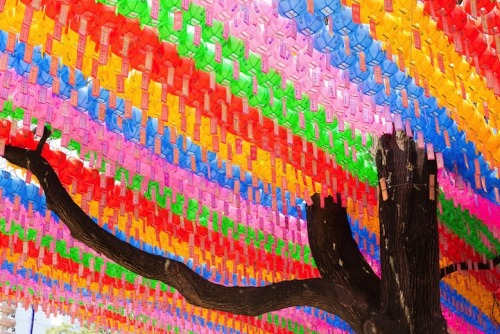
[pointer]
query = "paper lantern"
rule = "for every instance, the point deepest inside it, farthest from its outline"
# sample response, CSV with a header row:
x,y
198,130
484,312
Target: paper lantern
x,y
292,8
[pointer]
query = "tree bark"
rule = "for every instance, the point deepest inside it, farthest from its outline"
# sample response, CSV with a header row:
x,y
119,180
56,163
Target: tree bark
x,y
409,244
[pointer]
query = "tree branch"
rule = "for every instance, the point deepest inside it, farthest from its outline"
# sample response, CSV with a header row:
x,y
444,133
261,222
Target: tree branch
x,y
46,134
335,252
198,291
464,266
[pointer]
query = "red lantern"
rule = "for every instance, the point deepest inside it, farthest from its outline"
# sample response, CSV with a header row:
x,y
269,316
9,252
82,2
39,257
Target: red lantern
x,y
482,6
5,130
23,138
440,7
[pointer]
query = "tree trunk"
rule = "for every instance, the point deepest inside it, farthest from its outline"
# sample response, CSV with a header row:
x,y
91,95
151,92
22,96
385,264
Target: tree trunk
x,y
409,244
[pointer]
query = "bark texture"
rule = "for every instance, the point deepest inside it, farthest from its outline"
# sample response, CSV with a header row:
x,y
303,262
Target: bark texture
x,y
409,244
405,300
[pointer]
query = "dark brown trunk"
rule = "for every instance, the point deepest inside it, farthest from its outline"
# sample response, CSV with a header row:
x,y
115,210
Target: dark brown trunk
x,y
409,245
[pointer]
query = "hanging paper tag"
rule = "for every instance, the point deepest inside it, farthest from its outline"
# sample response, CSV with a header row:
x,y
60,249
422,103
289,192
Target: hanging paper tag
x,y
439,160
56,84
58,31
28,53
404,98
236,70
225,30
430,151
4,61
54,62
441,63
420,141
197,35
347,45
416,39
373,29
33,74
362,61
309,46
178,20
218,53
209,15
314,102
155,9
11,42
401,60
120,84
388,6
356,15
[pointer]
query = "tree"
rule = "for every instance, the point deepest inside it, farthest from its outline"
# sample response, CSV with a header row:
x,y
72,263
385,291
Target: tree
x,y
404,300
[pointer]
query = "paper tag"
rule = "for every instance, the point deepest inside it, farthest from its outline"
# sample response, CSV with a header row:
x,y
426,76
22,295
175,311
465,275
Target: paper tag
x,y
416,39
313,102
225,30
178,20
439,160
197,35
430,151
473,8
4,61
388,6
404,98
24,33
441,63
54,63
218,53
401,60
28,53
209,15
58,31
362,61
347,45
120,84
128,109
373,29
11,42
377,73
356,14
96,87
33,74
56,85
155,9
79,61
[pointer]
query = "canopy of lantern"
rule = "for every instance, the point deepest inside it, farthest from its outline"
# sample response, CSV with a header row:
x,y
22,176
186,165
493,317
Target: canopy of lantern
x,y
199,129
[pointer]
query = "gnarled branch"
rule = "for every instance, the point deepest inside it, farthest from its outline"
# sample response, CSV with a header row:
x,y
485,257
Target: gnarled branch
x,y
335,252
464,266
316,292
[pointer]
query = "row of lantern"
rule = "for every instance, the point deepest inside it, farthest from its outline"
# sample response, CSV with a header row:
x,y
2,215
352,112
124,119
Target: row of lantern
x,y
248,19
131,125
24,68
